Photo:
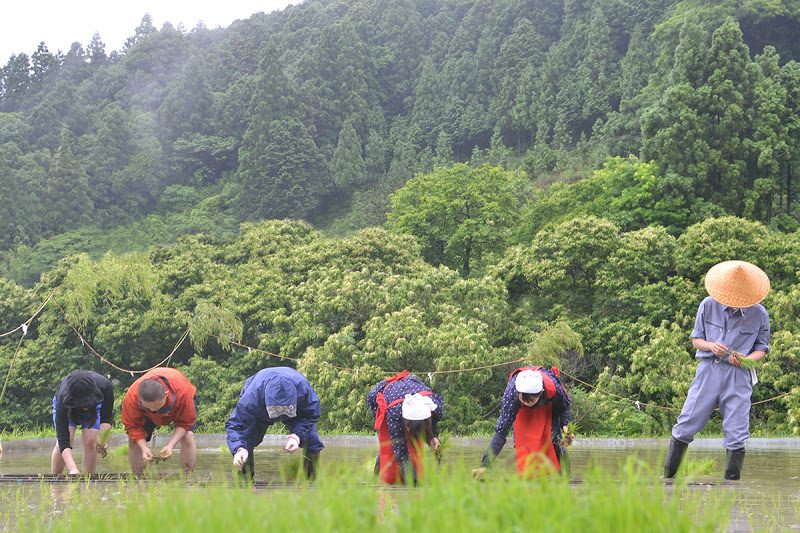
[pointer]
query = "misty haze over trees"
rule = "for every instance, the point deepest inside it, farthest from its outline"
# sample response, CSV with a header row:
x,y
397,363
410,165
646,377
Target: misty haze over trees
x,y
568,171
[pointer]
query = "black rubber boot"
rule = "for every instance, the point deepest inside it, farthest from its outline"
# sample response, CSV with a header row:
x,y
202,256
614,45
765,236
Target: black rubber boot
x,y
310,464
674,457
734,459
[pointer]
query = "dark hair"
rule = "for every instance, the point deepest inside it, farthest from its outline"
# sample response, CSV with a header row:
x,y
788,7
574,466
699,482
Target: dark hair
x,y
528,397
151,390
417,429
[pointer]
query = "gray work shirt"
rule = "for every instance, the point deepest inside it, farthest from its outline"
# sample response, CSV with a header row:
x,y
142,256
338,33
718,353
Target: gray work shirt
x,y
744,330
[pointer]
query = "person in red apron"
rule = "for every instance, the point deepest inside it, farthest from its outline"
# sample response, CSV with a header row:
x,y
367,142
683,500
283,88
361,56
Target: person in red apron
x,y
407,413
537,405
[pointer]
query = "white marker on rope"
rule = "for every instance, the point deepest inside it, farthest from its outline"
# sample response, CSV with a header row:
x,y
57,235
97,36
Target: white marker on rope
x,y
24,329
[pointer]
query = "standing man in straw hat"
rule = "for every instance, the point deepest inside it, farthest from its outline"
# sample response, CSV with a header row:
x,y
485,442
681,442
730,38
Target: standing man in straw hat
x,y
730,323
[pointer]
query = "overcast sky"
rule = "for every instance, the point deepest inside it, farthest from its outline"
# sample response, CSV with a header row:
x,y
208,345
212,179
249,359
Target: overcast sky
x,y
59,23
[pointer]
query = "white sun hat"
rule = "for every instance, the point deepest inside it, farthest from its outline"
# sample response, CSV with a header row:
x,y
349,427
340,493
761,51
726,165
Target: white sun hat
x,y
530,382
418,407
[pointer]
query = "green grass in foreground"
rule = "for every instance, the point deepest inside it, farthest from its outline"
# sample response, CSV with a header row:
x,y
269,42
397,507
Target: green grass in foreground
x,y
756,432
447,500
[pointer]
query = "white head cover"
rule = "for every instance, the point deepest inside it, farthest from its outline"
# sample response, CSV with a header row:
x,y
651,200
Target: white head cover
x,y
417,407
530,382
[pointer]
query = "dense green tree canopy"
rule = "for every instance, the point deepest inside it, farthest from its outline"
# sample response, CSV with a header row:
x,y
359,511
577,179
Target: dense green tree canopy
x,y
490,181
459,214
330,106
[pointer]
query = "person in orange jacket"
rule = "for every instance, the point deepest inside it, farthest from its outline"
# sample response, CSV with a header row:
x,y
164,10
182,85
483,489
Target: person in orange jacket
x,y
160,397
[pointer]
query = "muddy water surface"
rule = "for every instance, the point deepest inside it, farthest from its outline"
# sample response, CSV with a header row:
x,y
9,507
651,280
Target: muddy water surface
x,y
767,497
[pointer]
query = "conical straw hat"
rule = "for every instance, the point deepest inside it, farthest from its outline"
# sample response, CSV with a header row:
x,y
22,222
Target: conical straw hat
x,y
737,283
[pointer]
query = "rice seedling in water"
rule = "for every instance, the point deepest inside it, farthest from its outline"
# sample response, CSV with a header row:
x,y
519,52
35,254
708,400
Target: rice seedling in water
x,y
291,468
121,451
448,499
700,467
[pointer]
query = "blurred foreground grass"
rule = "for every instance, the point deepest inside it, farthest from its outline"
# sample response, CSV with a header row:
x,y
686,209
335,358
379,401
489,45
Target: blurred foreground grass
x,y
448,499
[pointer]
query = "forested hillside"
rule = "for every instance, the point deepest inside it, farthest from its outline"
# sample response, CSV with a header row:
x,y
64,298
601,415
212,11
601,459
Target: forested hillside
x,y
540,179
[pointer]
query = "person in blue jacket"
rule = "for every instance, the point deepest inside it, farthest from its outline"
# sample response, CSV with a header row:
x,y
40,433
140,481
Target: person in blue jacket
x,y
278,394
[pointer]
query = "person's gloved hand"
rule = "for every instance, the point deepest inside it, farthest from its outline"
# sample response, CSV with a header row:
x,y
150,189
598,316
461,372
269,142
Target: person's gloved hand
x,y
292,443
240,457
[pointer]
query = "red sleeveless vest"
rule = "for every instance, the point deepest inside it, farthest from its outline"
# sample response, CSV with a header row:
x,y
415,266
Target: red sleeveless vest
x,y
533,431
389,469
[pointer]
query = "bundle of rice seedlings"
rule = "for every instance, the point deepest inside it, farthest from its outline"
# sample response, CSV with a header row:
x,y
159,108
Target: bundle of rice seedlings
x,y
444,444
101,447
744,361
569,436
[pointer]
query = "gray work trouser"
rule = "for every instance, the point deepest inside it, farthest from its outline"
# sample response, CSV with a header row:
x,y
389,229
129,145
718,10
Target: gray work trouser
x,y
717,383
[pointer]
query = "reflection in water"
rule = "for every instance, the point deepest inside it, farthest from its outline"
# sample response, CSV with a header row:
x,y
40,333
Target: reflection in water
x,y
767,497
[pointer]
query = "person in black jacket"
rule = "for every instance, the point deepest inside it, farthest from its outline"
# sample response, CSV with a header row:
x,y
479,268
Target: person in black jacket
x,y
86,398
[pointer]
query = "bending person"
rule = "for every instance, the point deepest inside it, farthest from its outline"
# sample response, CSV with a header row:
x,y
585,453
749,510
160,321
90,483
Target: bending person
x,y
407,414
162,396
83,398
537,405
730,323
272,395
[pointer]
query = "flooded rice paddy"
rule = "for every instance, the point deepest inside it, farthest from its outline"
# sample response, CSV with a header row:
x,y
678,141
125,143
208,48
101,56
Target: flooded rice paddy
x,y
767,497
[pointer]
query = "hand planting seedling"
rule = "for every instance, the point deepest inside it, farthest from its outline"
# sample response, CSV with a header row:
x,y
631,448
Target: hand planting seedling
x,y
478,473
102,442
568,435
440,445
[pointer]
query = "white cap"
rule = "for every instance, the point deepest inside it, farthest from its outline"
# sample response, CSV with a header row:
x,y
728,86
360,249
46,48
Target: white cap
x,y
417,407
530,382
